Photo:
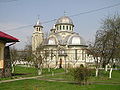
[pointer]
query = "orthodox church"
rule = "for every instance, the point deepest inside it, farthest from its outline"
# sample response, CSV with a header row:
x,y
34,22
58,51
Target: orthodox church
x,y
66,47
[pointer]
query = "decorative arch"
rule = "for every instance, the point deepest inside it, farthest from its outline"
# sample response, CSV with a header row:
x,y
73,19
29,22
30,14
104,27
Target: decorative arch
x,y
52,40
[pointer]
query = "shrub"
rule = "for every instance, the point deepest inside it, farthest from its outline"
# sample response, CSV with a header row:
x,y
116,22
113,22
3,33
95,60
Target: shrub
x,y
81,74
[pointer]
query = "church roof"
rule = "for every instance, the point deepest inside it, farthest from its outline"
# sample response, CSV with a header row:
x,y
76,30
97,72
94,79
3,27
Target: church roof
x,y
73,39
7,38
64,20
38,24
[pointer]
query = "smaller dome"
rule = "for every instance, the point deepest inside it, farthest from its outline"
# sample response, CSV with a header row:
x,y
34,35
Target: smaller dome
x,y
76,40
64,20
38,24
52,41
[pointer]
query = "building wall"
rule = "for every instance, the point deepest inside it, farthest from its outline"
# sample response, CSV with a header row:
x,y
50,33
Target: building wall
x,y
75,56
5,63
37,39
2,45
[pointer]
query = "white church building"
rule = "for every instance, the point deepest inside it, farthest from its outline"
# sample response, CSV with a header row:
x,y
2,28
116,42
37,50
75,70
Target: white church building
x,y
66,47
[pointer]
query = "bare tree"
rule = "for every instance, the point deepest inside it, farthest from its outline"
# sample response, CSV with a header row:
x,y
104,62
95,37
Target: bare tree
x,y
107,42
39,58
14,58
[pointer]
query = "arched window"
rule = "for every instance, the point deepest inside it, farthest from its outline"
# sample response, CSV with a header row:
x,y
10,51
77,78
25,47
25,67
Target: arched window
x,y
67,27
70,27
39,29
60,27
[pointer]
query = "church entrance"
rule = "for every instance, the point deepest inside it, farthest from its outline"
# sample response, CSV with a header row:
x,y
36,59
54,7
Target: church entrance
x,y
60,65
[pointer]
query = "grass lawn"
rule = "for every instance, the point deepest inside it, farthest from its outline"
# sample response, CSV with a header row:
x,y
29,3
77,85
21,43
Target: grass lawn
x,y
29,72
37,84
102,78
34,84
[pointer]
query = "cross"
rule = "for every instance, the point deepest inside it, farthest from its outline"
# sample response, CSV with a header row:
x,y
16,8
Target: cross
x,y
65,13
38,16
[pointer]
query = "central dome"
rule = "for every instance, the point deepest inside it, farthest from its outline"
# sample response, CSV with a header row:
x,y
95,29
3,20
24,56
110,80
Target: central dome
x,y
64,20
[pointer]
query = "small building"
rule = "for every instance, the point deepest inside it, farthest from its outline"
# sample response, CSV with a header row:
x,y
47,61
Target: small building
x,y
5,63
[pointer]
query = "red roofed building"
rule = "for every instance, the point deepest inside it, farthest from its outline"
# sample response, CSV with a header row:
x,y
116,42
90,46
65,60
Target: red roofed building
x,y
5,63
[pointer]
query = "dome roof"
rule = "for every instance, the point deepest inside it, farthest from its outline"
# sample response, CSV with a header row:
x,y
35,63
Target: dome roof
x,y
38,24
64,20
76,40
73,39
52,41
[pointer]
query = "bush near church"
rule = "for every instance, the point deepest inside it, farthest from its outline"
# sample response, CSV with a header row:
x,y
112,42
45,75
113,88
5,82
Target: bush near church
x,y
81,74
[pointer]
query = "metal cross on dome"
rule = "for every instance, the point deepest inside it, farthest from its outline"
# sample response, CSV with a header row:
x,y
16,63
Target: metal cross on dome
x,y
38,16
65,13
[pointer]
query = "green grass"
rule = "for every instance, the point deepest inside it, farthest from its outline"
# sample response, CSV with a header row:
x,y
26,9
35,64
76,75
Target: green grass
x,y
33,71
26,71
65,76
102,78
34,84
37,84
105,77
29,72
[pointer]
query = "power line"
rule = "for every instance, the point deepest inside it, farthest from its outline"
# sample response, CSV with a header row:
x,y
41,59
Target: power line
x,y
4,1
28,25
18,28
95,10
74,15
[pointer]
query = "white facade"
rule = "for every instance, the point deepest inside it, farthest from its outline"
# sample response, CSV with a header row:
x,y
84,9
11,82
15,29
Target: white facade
x,y
37,37
65,46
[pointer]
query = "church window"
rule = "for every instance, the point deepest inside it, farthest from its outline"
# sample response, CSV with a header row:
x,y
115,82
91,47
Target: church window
x,y
60,27
39,29
67,27
75,54
70,27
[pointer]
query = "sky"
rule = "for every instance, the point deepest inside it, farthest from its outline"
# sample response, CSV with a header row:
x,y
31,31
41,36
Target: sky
x,y
17,17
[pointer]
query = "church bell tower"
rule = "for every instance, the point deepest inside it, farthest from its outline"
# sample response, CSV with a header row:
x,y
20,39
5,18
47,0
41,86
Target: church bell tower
x,y
38,35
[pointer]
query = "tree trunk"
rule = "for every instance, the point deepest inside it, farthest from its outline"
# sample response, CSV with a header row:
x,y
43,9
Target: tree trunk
x,y
39,71
48,68
106,67
13,68
53,73
110,74
96,72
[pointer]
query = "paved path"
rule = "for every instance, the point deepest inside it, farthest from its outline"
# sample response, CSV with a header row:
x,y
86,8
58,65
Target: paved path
x,y
27,78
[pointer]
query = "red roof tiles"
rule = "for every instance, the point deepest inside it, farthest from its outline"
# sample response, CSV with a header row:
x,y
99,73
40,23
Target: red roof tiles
x,y
7,38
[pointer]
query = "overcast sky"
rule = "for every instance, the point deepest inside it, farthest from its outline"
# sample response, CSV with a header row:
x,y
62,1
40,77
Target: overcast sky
x,y
14,14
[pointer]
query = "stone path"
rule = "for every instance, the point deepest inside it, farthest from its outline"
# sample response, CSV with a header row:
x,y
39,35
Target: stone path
x,y
35,77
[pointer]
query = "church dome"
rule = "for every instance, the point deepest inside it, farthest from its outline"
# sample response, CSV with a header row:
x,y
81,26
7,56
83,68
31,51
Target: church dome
x,y
52,41
64,20
76,40
38,24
